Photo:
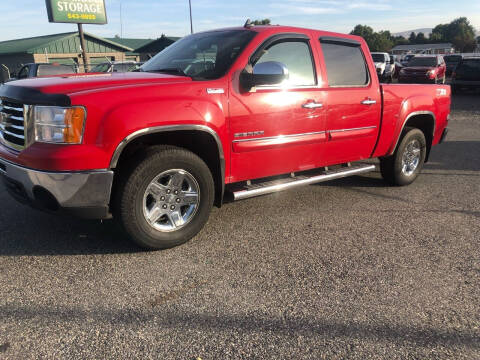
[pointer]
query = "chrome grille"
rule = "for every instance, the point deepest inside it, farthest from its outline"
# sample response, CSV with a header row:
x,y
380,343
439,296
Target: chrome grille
x,y
12,124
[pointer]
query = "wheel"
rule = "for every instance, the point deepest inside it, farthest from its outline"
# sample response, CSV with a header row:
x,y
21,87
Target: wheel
x,y
165,199
403,167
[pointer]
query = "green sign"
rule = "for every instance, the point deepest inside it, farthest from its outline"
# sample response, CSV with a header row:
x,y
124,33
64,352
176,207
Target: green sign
x,y
77,11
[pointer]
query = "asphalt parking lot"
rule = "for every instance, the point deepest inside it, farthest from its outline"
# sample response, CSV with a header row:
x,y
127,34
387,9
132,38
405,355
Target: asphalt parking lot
x,y
351,269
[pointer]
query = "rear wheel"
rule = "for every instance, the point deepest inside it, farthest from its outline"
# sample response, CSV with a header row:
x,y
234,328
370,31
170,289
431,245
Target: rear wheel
x,y
403,167
166,198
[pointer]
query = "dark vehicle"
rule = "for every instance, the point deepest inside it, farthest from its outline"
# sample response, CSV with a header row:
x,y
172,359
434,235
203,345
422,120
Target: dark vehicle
x,y
466,74
120,67
424,69
452,61
44,69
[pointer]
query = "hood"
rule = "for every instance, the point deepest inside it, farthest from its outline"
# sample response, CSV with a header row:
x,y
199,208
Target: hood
x,y
70,84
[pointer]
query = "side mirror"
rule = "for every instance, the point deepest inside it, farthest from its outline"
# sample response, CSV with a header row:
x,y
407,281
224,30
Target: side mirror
x,y
266,73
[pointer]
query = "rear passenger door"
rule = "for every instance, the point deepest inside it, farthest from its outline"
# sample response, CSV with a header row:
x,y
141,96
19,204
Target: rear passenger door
x,y
353,101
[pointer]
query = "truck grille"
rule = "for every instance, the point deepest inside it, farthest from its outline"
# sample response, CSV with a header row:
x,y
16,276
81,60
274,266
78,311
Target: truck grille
x,y
12,124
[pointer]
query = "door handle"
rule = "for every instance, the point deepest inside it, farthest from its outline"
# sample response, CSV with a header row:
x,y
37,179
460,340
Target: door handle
x,y
312,105
369,102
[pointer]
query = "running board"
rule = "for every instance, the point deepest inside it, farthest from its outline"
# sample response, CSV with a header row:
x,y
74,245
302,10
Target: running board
x,y
289,183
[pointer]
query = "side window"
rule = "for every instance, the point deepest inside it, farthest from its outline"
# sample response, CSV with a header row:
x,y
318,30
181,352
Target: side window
x,y
23,72
296,56
345,64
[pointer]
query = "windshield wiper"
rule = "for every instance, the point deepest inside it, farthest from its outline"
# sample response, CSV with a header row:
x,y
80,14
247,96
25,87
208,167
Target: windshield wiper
x,y
170,70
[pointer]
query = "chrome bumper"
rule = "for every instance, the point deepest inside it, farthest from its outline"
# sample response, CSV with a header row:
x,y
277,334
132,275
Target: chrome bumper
x,y
85,194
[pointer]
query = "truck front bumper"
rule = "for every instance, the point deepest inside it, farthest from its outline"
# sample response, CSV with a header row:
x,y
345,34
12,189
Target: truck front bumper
x,y
85,194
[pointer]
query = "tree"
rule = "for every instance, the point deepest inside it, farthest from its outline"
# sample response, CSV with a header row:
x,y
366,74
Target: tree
x,y
412,38
459,32
381,41
420,38
262,22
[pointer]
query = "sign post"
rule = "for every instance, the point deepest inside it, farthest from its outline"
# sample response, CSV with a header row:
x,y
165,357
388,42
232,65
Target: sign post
x,y
77,12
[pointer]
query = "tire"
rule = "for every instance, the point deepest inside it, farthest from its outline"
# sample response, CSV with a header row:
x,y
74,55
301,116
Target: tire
x,y
169,184
403,167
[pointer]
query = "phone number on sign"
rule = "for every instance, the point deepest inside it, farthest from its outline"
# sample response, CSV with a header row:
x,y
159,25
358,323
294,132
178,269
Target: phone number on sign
x,y
82,16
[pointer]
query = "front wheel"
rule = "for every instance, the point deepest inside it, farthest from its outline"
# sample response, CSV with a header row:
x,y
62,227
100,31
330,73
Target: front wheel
x,y
403,167
166,198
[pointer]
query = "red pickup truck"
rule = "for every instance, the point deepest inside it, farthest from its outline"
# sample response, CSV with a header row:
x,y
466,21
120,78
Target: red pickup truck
x,y
240,111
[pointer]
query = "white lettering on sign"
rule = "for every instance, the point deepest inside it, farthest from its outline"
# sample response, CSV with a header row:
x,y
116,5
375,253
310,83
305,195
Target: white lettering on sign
x,y
91,6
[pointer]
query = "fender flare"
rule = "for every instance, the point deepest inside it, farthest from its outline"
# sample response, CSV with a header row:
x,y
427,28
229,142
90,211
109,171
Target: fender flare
x,y
167,128
412,114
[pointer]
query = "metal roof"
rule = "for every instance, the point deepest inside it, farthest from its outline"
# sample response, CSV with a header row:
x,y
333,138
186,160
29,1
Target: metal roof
x,y
130,42
38,44
424,46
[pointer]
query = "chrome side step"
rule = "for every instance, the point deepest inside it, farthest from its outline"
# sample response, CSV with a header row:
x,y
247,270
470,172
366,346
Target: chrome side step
x,y
289,183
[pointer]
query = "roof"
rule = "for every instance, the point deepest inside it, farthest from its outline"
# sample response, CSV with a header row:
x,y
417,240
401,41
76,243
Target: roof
x,y
33,44
157,45
130,42
424,46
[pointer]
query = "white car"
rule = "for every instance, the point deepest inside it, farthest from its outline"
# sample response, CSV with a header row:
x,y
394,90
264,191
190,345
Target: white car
x,y
385,69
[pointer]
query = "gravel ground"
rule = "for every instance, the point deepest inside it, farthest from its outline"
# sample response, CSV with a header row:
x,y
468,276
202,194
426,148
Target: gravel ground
x,y
351,269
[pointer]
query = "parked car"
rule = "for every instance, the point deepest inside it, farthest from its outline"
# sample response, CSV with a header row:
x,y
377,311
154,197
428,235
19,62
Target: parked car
x,y
385,69
405,60
424,69
158,147
466,74
117,66
44,69
452,61
398,67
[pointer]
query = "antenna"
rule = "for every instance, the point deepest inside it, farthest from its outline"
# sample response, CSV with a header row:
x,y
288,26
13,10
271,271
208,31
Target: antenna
x,y
248,24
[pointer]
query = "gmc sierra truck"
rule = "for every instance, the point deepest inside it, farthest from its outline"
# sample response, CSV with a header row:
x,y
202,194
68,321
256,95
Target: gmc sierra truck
x,y
234,112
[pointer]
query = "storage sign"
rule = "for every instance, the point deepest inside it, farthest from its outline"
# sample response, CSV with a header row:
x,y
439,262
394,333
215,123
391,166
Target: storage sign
x,y
77,11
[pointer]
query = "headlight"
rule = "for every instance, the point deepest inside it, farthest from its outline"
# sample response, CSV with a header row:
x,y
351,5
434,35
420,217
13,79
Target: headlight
x,y
59,125
402,71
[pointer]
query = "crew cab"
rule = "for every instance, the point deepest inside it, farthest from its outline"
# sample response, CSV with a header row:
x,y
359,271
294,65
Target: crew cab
x,y
271,108
424,69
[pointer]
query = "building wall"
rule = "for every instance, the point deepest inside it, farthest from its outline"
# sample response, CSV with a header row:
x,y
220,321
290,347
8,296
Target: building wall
x,y
93,58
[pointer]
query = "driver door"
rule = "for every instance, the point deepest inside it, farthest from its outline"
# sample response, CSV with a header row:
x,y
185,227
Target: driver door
x,y
281,128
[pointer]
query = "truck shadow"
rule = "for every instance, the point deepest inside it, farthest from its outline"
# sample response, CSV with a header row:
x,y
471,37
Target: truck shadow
x,y
24,231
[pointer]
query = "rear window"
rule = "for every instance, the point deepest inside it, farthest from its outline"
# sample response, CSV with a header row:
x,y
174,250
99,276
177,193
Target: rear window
x,y
49,70
345,64
423,61
470,64
378,57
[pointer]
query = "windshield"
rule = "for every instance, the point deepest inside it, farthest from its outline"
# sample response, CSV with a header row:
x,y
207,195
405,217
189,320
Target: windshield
x,y
452,59
378,57
201,56
423,61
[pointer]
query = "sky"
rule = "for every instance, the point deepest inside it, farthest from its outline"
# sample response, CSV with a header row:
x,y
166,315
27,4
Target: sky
x,y
152,18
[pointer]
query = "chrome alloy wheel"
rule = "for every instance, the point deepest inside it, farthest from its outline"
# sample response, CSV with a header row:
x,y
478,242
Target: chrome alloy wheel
x,y
171,200
411,157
